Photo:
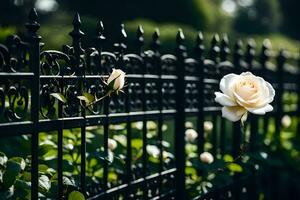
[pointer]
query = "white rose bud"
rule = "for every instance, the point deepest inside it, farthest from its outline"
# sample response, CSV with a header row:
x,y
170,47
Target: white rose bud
x,y
190,135
208,126
242,94
116,80
111,144
286,121
188,124
206,157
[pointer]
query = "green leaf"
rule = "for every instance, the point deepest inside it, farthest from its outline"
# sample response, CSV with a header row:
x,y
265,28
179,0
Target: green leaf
x,y
6,194
3,159
87,97
228,158
76,195
20,161
45,147
50,155
12,171
121,139
67,181
59,97
112,176
235,167
24,185
137,143
44,183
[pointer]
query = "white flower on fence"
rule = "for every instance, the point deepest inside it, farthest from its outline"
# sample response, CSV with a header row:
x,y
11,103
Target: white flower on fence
x,y
112,144
242,94
208,126
207,157
286,121
116,80
188,124
190,135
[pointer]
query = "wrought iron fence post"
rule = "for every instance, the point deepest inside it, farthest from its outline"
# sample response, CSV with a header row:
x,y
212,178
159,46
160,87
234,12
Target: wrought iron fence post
x,y
224,52
237,133
249,56
213,56
76,35
263,59
200,119
34,64
180,117
281,58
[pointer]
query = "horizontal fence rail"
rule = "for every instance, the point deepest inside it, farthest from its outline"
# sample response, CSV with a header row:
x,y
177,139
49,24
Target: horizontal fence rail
x,y
161,87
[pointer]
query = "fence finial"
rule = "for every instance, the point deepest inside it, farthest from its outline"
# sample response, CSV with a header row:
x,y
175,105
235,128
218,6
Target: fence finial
x,y
265,52
282,56
214,49
123,35
100,38
224,48
140,37
32,25
100,30
237,55
199,45
155,44
76,33
120,46
181,49
250,52
180,37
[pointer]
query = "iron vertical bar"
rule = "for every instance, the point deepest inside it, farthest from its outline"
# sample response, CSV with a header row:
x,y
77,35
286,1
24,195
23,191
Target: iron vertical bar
x,y
76,35
180,118
281,59
100,39
200,119
34,64
213,54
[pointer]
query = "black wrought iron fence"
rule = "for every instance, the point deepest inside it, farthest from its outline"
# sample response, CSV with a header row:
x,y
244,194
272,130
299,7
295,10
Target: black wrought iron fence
x,y
161,87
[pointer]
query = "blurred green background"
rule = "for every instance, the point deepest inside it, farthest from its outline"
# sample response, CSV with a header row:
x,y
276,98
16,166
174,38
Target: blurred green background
x,y
274,19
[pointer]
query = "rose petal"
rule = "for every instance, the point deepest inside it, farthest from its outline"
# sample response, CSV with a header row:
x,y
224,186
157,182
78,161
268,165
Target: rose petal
x,y
261,110
233,113
226,84
246,74
224,100
271,92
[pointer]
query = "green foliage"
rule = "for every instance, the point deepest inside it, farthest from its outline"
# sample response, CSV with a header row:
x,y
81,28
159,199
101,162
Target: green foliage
x,y
76,195
5,32
261,17
207,16
168,37
59,97
291,22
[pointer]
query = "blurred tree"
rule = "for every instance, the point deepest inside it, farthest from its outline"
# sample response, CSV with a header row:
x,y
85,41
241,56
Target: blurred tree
x,y
14,12
291,14
263,16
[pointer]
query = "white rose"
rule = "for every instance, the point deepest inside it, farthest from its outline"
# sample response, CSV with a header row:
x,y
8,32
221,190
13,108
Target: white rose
x,y
208,126
188,124
116,80
286,121
243,93
206,157
190,135
111,144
